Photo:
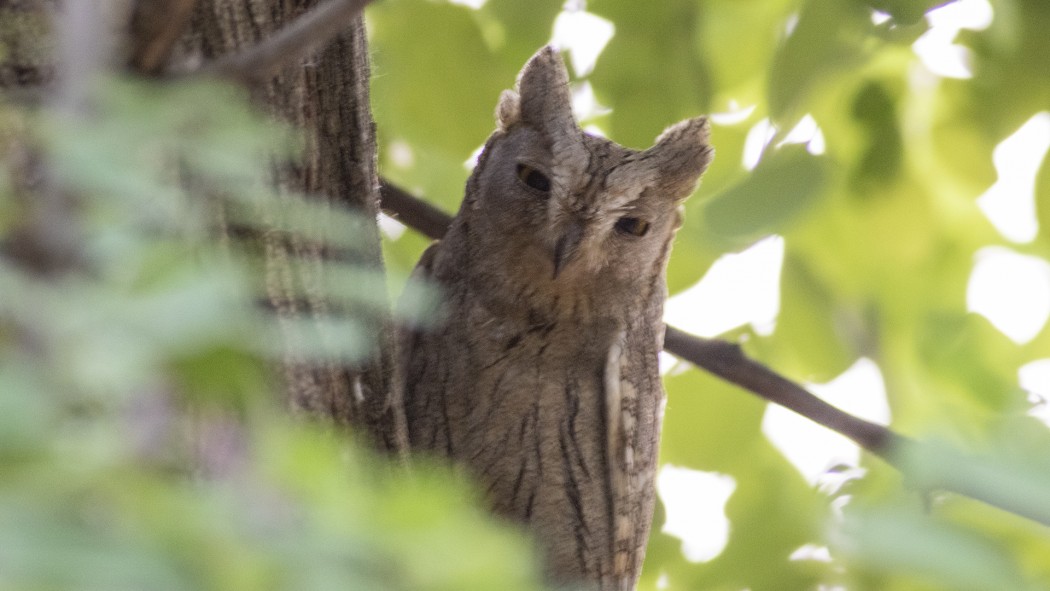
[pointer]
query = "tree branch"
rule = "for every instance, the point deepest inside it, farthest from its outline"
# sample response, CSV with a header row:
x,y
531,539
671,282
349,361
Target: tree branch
x,y
310,31
721,358
414,213
728,361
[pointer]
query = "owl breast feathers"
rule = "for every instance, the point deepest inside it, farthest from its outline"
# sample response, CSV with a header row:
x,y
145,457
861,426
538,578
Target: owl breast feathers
x,y
542,377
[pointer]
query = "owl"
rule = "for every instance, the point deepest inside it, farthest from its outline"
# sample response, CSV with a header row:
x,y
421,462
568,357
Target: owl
x,y
542,378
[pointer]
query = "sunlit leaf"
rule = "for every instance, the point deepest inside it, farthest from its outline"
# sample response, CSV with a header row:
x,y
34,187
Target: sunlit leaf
x,y
903,11
1042,202
1016,483
709,423
515,30
437,106
786,182
827,39
875,109
934,551
812,337
713,426
966,349
639,70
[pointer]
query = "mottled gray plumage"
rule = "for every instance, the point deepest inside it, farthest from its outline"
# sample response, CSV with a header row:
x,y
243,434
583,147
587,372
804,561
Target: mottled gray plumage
x,y
543,376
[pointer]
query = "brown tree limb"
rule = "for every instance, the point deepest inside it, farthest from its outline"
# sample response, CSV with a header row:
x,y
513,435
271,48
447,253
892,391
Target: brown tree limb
x,y
295,41
728,361
721,358
413,212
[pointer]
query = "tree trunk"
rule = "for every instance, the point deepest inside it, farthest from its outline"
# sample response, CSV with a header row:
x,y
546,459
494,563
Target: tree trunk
x,y
326,96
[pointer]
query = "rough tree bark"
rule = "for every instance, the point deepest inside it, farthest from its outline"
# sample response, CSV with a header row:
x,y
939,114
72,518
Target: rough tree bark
x,y
326,96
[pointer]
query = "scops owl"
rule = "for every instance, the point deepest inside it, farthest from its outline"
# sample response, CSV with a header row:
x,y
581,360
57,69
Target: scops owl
x,y
542,378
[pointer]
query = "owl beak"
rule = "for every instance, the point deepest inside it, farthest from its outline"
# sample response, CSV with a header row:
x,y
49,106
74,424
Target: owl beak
x,y
566,246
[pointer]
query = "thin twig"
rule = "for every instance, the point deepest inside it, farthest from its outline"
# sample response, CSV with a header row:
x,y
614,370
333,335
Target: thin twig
x,y
721,358
295,41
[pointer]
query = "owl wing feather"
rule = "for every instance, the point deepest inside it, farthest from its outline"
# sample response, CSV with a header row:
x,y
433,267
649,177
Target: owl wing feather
x,y
408,341
621,407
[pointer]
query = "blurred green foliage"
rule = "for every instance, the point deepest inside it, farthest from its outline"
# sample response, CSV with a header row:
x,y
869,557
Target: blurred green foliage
x,y
142,443
881,228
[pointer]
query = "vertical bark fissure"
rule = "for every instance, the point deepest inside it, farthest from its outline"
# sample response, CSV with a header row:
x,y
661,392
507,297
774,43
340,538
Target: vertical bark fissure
x,y
325,95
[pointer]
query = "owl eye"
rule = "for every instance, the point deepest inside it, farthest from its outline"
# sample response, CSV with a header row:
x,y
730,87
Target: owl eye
x,y
632,226
533,178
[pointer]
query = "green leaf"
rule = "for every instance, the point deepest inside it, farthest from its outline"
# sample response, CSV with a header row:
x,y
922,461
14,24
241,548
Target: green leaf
x,y
433,98
905,12
516,30
651,80
713,426
902,542
738,40
709,424
785,183
1042,203
827,40
1013,478
965,349
695,250
811,341
882,160
26,419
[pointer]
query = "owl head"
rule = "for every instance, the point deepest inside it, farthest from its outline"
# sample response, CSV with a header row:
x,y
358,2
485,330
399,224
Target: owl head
x,y
558,207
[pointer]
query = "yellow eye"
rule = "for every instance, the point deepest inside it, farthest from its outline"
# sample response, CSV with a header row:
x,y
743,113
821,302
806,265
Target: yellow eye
x,y
533,178
632,226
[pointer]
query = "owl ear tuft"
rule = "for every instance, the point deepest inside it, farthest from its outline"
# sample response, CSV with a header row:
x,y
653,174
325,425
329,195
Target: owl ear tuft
x,y
543,87
681,154
508,111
